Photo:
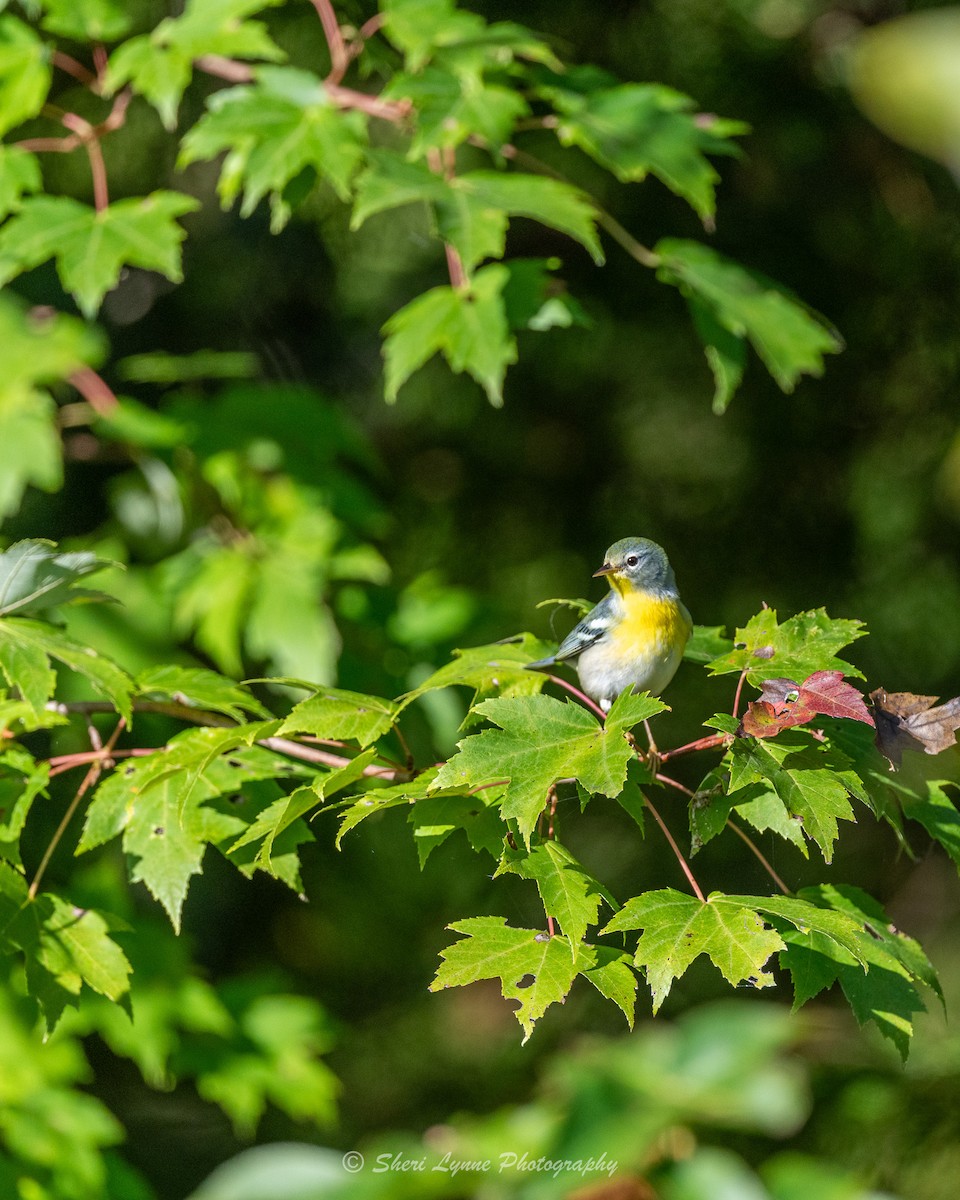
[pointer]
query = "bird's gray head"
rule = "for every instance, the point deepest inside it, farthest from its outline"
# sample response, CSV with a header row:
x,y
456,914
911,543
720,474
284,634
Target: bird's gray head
x,y
638,563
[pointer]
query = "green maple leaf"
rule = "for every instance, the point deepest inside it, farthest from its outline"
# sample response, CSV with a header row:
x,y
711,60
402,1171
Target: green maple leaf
x,y
90,248
451,107
24,73
473,216
814,783
610,972
377,799
22,779
636,129
19,176
732,305
436,816
159,65
336,714
87,20
26,647
282,125
65,947
468,325
791,649
418,27
533,968
36,576
159,805
678,928
934,809
472,210
197,687
542,740
569,893
286,811
496,667
877,967
271,1057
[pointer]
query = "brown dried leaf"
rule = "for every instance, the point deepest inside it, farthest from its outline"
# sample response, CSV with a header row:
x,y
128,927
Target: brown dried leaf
x,y
906,721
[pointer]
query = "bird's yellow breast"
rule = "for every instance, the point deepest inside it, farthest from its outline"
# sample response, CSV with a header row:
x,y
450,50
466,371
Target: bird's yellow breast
x,y
650,624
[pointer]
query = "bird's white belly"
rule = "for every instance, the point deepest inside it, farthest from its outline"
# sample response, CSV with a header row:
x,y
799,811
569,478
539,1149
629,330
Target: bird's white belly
x,y
605,674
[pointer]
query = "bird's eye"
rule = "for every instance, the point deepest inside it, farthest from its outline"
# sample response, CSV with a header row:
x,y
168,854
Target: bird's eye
x,y
632,560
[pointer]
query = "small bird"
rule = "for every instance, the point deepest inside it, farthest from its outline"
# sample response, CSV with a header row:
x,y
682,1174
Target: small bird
x,y
635,637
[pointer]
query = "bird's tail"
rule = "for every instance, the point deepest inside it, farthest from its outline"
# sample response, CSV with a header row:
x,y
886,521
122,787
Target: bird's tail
x,y
541,664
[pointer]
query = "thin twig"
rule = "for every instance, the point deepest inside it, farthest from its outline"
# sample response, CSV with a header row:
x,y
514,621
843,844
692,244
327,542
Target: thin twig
x,y
674,784
387,110
91,777
307,753
183,712
49,145
736,698
684,865
704,743
67,762
71,67
225,68
760,855
637,250
581,696
444,167
366,31
339,58
95,391
455,269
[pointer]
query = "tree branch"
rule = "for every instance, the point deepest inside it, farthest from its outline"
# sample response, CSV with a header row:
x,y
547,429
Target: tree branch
x,y
339,58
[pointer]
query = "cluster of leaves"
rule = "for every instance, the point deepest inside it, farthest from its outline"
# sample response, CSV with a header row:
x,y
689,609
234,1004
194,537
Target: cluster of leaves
x,y
248,783
460,101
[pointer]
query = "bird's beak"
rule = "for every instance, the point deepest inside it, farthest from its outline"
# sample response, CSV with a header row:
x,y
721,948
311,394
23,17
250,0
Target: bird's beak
x,y
606,569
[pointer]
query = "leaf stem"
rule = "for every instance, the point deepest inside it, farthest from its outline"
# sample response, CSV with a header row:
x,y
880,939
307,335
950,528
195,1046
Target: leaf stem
x,y
581,696
736,698
674,783
744,836
95,391
70,66
637,250
91,777
684,865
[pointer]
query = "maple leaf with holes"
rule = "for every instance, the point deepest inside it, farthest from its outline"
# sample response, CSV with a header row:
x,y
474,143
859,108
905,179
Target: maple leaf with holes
x,y
905,721
784,703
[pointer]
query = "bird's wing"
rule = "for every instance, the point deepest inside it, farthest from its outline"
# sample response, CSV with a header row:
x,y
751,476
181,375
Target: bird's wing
x,y
595,624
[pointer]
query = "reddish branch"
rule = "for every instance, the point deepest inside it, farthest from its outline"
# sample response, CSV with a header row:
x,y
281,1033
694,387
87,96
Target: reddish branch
x,y
183,712
93,774
71,67
97,393
339,58
704,743
581,696
83,133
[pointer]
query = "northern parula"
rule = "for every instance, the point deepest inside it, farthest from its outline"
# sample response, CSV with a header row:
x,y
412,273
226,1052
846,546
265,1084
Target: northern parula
x,y
635,637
